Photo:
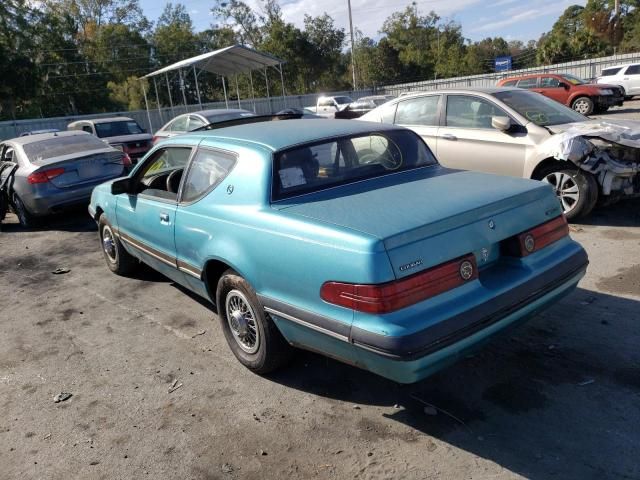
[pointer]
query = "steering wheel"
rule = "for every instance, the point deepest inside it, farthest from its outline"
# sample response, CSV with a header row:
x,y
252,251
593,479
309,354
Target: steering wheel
x,y
173,180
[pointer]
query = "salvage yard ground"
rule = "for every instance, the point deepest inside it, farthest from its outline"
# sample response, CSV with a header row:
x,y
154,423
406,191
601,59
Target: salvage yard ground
x,y
557,398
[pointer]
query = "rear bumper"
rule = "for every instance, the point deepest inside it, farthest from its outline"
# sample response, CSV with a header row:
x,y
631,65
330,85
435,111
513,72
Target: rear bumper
x,y
419,353
53,200
462,325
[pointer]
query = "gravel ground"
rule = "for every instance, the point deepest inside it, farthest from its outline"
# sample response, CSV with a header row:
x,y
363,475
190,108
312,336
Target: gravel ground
x,y
557,398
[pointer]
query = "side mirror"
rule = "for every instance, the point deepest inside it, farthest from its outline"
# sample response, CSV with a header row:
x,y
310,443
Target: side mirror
x,y
501,123
122,185
564,85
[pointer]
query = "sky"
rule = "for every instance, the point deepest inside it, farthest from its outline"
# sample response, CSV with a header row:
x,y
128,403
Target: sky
x,y
511,19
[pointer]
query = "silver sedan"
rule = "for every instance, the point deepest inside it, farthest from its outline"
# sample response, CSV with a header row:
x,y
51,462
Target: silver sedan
x,y
57,170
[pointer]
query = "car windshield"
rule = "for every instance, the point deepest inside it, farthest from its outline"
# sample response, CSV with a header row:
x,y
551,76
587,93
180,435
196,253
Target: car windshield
x,y
62,145
115,129
319,166
573,79
538,109
222,117
343,100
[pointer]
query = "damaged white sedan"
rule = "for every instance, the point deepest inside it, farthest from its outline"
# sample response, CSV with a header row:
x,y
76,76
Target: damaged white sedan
x,y
510,131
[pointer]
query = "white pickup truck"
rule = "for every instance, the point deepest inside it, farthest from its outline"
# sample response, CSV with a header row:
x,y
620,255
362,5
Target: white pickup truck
x,y
328,106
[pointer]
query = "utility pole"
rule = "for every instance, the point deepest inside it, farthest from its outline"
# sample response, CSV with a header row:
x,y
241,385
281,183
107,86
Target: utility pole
x,y
616,22
353,60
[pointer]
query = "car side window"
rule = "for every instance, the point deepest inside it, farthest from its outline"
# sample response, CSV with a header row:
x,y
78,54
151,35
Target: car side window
x,y
465,111
179,124
161,174
388,113
418,111
528,83
207,170
608,72
549,82
633,70
195,122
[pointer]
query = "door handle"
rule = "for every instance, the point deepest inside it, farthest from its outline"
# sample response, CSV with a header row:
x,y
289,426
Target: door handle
x,y
448,136
164,218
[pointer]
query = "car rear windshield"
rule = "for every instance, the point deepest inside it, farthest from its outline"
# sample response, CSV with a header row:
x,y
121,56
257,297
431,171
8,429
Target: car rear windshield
x,y
319,166
62,145
538,109
343,100
115,129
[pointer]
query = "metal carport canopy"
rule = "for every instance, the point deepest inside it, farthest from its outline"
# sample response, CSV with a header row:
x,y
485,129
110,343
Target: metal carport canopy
x,y
226,62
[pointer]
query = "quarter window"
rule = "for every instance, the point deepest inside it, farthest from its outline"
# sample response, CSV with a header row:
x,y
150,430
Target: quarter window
x,y
418,111
195,122
179,124
528,83
207,170
471,112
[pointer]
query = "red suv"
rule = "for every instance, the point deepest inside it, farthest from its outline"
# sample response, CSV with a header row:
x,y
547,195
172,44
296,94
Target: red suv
x,y
585,98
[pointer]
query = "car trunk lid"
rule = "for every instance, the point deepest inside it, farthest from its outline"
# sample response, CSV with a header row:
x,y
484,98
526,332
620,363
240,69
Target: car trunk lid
x,y
436,216
92,167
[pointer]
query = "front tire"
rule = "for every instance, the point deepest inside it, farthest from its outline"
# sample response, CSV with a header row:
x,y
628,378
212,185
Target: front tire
x,y
583,105
576,190
118,259
251,334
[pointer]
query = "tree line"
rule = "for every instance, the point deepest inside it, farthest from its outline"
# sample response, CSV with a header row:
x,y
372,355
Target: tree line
x,y
67,57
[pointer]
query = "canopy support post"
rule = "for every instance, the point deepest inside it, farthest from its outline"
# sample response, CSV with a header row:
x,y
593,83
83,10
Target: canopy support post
x,y
284,98
266,80
195,75
224,87
155,85
253,95
173,113
237,90
183,88
146,104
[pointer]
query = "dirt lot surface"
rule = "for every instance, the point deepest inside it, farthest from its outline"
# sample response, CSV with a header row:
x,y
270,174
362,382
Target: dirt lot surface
x,y
557,398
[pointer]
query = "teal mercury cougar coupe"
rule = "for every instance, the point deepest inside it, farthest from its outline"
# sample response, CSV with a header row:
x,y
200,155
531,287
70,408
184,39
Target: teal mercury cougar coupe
x,y
345,238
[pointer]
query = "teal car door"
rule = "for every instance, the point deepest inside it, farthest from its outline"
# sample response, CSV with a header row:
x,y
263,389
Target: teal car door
x,y
195,223
146,220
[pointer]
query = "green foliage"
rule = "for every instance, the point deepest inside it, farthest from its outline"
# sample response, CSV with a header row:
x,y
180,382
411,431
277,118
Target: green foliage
x,y
62,57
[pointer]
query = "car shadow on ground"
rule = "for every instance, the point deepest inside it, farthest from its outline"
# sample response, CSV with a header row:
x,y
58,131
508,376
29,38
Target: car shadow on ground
x,y
77,220
557,397
625,213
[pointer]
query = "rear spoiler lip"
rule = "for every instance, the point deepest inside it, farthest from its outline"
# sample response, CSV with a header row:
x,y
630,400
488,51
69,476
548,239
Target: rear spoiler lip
x,y
246,120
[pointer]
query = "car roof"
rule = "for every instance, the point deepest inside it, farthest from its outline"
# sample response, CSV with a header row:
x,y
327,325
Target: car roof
x,y
279,135
43,136
485,90
619,66
105,120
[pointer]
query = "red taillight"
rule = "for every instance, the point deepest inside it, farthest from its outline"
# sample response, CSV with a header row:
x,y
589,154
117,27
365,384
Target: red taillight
x,y
539,237
391,296
43,176
126,160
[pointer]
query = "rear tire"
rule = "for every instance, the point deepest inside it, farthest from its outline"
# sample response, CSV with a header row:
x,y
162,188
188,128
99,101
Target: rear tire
x,y
26,218
576,190
118,259
583,105
251,334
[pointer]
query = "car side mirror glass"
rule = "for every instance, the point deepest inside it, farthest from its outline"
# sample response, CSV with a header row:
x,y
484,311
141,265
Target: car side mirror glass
x,y
501,123
122,185
564,85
